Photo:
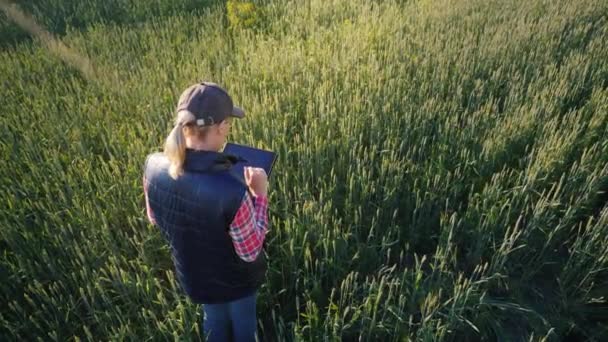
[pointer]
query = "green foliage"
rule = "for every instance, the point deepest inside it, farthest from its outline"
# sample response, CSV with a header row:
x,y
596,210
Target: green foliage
x,y
242,14
443,169
58,16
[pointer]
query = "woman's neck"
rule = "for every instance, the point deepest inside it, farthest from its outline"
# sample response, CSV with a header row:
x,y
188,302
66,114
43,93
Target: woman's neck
x,y
202,145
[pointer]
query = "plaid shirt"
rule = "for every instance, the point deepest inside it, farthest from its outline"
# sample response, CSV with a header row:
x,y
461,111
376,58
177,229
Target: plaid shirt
x,y
248,228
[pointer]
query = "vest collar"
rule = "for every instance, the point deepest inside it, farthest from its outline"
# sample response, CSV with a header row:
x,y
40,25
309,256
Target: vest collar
x,y
209,161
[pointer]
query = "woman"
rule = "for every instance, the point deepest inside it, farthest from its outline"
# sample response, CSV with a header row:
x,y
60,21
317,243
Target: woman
x,y
215,224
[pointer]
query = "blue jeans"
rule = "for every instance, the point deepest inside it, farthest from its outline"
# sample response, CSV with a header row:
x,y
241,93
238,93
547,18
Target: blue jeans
x,y
231,321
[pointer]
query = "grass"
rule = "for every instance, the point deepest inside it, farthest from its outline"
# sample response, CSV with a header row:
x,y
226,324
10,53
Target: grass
x,y
443,169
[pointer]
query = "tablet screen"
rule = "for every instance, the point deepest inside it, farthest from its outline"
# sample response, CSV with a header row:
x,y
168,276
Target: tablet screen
x,y
253,157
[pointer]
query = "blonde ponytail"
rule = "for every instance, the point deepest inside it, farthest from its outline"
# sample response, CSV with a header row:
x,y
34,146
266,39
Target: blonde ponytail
x,y
175,150
175,145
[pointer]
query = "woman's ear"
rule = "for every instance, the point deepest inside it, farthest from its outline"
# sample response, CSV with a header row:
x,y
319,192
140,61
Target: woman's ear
x,y
224,127
219,128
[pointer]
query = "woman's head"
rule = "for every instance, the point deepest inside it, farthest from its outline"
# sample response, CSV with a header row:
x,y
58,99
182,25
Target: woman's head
x,y
203,121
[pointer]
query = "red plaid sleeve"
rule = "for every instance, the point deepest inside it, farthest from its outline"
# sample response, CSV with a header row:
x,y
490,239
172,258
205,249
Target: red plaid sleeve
x,y
249,227
148,209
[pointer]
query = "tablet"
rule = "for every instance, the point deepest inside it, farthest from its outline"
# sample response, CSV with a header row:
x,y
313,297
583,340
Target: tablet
x,y
252,157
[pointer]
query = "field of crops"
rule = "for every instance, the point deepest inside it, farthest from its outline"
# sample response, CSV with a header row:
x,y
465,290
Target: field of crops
x,y
442,173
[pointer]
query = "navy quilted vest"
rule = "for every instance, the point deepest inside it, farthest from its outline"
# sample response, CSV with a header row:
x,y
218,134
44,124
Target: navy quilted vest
x,y
194,213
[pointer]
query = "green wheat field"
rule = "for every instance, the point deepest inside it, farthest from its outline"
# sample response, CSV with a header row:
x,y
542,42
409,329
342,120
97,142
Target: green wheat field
x,y
442,172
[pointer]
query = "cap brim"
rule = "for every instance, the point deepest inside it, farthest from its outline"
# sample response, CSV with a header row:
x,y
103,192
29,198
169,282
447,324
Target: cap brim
x,y
238,112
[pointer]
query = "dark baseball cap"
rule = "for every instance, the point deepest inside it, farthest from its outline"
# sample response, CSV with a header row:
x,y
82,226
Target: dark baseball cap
x,y
209,103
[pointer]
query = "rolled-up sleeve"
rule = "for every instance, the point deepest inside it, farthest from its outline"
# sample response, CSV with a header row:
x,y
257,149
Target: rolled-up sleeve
x,y
249,227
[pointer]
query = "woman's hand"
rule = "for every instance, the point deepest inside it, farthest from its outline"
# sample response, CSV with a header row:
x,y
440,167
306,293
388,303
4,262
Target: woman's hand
x,y
257,180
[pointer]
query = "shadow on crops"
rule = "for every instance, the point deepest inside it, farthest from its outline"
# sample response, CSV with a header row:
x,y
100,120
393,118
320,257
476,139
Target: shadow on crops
x,y
58,16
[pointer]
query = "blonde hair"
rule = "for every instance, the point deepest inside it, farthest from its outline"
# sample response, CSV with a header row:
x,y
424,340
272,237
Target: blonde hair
x,y
175,145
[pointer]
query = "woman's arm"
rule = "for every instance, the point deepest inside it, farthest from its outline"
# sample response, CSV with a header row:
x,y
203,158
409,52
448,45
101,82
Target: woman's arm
x,y
249,227
148,209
